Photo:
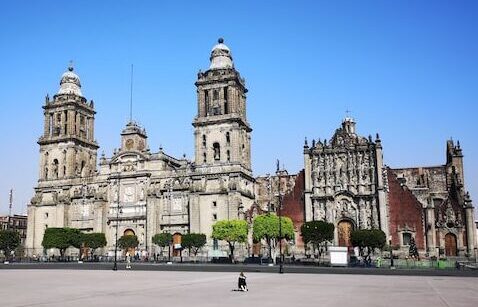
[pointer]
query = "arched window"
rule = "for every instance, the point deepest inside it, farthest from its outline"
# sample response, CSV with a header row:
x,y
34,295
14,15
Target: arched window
x,y
228,138
228,156
55,168
82,169
204,158
226,105
406,238
217,151
203,140
46,172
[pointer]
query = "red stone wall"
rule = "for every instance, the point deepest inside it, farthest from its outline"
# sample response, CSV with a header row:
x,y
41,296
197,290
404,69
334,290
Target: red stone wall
x,y
293,206
405,212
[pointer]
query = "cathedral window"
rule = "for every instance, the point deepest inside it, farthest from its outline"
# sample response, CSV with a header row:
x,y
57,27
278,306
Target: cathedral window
x,y
226,106
406,238
82,169
206,102
65,124
55,168
217,151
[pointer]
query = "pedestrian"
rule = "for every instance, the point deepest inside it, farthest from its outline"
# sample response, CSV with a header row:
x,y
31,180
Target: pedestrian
x,y
241,283
128,260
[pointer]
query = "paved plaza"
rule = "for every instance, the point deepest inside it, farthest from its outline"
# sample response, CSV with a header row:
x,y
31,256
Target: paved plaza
x,y
162,288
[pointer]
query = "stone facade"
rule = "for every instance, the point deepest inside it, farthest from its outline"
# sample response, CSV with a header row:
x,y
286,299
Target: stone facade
x,y
347,182
344,182
138,191
447,216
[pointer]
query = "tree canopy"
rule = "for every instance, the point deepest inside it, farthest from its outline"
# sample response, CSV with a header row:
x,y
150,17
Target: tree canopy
x,y
94,240
61,238
193,241
266,226
367,240
128,241
317,232
163,239
232,231
9,240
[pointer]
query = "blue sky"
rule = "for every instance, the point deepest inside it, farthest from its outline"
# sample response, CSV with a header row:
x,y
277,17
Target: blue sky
x,y
405,69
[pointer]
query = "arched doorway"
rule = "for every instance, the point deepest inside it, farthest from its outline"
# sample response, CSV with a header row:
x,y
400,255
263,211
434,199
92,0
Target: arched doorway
x,y
129,232
177,239
450,245
344,230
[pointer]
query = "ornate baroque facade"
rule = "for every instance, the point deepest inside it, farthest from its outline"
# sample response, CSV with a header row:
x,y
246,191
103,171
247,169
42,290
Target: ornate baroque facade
x,y
136,190
344,180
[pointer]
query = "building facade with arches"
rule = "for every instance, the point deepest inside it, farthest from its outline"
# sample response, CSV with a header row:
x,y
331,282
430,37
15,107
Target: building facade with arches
x,y
137,191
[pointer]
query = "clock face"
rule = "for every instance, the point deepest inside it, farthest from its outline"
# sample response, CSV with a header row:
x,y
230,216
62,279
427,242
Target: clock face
x,y
129,144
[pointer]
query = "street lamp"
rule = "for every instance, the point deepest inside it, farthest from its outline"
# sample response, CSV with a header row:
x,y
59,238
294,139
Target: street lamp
x,y
279,210
115,265
391,252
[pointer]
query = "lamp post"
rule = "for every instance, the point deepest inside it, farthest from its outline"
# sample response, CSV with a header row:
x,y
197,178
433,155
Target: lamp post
x,y
281,268
115,265
391,253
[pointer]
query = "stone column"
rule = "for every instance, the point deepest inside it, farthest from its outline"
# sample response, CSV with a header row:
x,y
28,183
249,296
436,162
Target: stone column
x,y
470,226
382,201
431,242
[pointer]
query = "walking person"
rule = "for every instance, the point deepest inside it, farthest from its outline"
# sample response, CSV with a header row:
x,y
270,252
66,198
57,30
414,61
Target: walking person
x,y
241,283
128,261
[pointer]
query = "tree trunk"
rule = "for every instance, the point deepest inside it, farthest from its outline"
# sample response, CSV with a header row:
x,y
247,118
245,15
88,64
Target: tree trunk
x,y
231,256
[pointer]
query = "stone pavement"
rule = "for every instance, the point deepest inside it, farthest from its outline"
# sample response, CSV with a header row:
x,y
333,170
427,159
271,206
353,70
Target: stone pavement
x,y
163,288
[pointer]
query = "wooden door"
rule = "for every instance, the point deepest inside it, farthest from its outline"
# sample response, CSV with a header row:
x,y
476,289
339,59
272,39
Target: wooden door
x,y
344,229
450,245
177,239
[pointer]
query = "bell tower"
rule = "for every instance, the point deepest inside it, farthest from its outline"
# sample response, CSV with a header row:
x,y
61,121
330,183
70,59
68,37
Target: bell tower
x,y
222,133
67,147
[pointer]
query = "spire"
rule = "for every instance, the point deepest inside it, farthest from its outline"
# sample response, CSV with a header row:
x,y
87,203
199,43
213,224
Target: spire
x,y
221,56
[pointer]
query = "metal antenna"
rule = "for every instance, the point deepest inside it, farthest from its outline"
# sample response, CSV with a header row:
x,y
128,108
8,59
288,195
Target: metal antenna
x,y
11,203
131,97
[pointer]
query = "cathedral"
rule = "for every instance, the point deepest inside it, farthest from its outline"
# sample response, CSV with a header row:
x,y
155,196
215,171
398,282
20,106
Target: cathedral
x,y
135,191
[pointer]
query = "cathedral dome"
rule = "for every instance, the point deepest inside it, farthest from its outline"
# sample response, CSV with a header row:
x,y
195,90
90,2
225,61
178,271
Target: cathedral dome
x,y
221,56
70,83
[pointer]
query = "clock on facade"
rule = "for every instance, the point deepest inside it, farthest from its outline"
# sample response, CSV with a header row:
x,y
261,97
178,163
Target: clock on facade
x,y
129,143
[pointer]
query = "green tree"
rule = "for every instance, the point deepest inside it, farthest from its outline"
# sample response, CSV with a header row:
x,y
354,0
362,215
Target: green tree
x,y
76,239
128,241
194,242
61,238
94,241
266,226
317,233
162,240
413,251
232,231
367,240
9,241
